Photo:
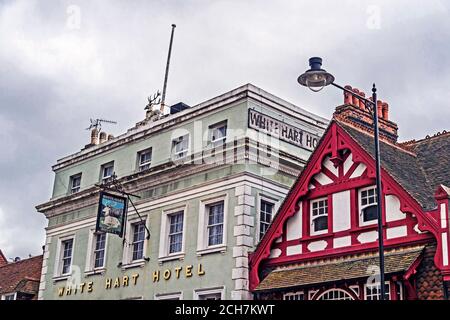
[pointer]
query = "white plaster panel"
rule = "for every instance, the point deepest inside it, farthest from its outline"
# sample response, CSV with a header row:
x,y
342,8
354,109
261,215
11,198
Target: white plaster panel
x,y
342,242
444,249
275,253
291,250
322,179
358,171
341,211
368,237
393,212
443,216
348,163
317,245
279,240
330,166
294,226
396,232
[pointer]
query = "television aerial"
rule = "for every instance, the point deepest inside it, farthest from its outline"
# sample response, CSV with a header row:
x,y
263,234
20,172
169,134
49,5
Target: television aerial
x,y
97,124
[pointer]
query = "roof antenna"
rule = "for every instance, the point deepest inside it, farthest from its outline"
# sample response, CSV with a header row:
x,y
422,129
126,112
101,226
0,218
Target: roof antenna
x,y
97,124
163,97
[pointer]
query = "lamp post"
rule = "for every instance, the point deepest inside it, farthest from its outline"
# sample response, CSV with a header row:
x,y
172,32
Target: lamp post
x,y
316,79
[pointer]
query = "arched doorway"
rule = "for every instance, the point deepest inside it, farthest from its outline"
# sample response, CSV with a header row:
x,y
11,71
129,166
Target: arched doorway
x,y
335,294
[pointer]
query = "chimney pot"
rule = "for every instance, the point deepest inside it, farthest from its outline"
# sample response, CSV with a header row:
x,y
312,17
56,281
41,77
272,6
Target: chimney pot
x,y
103,137
385,110
348,99
361,102
94,136
355,99
379,108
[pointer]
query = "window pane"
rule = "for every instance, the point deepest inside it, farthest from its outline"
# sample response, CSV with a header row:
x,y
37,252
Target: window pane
x,y
176,232
370,213
215,223
138,240
321,223
66,256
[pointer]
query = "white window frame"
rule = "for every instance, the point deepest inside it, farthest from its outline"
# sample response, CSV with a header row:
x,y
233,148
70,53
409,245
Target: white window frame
x,y
90,255
222,140
209,291
102,169
164,235
311,218
202,236
361,207
333,290
169,296
175,155
294,294
71,179
127,256
275,203
145,165
59,255
356,290
14,294
388,292
311,294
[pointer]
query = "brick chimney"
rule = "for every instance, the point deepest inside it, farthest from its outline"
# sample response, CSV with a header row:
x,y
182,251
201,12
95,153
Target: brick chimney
x,y
353,112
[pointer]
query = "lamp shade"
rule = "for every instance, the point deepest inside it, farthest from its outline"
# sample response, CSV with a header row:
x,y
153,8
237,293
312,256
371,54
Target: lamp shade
x,y
315,77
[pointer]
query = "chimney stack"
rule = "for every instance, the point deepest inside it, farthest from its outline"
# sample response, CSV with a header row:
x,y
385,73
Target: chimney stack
x,y
94,136
354,113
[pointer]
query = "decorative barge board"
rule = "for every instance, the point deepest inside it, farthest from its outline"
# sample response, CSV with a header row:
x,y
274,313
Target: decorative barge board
x,y
323,243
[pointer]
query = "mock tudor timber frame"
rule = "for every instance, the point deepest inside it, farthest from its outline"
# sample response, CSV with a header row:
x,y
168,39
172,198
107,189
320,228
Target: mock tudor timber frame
x,y
334,140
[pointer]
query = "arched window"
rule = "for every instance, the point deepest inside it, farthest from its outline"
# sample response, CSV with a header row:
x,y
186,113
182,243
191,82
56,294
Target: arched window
x,y
335,294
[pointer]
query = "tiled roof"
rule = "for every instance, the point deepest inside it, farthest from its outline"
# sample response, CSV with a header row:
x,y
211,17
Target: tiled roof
x,y
21,276
418,172
433,154
3,259
396,261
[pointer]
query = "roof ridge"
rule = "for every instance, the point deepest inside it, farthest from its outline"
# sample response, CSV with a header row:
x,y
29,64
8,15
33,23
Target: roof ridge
x,y
435,136
20,261
398,146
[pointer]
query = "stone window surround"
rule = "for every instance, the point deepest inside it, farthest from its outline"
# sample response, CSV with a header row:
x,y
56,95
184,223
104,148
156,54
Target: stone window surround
x,y
128,248
89,267
164,235
207,291
202,238
58,258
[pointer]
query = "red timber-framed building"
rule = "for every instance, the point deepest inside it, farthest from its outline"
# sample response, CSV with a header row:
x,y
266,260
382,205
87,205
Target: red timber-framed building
x,y
323,242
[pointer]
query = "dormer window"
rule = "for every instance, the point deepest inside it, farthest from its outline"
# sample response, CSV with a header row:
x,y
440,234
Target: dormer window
x,y
218,133
368,205
180,147
319,216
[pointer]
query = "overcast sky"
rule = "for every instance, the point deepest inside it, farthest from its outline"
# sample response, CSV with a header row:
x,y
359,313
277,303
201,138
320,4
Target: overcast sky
x,y
63,62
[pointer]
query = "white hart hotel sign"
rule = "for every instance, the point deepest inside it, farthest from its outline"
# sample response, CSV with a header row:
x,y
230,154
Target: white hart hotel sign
x,y
281,130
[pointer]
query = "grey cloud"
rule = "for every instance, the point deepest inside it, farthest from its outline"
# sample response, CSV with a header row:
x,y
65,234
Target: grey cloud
x,y
54,78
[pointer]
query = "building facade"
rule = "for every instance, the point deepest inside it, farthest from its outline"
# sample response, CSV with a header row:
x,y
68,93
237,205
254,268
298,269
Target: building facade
x,y
323,243
209,177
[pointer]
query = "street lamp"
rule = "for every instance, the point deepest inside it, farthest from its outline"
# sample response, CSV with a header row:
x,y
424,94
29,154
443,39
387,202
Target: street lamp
x,y
316,79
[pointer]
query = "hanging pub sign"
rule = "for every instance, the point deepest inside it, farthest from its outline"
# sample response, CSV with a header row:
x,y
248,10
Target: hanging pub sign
x,y
111,213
